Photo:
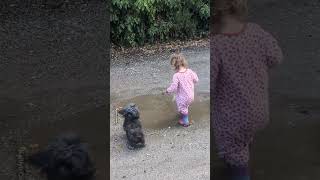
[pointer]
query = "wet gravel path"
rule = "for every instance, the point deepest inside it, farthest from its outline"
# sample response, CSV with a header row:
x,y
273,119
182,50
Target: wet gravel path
x,y
173,152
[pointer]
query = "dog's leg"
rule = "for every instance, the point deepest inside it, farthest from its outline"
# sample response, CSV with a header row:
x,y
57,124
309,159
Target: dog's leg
x,y
130,147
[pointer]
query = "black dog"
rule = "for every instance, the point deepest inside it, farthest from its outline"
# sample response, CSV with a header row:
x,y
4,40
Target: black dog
x,y
65,158
132,126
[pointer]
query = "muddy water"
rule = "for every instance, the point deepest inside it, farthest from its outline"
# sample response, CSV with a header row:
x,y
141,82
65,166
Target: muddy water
x,y
159,111
289,147
90,125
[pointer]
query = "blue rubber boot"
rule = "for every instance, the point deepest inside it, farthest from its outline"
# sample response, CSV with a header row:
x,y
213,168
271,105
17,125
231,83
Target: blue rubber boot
x,y
181,121
185,119
239,173
240,178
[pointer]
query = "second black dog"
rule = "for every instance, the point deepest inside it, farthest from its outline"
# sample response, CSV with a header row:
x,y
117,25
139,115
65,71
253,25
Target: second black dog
x,y
65,158
132,126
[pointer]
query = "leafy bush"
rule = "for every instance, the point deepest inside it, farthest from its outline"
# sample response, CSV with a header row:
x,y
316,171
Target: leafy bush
x,y
137,22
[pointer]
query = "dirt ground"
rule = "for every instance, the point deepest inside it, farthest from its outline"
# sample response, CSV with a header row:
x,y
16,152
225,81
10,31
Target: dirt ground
x,y
53,76
171,152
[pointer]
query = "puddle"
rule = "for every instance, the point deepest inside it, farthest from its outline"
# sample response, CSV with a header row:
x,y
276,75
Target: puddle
x,y
159,111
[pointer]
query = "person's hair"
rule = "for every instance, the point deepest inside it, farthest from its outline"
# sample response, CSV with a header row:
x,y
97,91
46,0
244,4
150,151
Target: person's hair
x,y
237,8
178,60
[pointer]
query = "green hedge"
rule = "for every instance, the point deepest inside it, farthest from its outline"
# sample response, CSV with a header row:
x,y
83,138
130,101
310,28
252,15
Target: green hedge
x,y
137,22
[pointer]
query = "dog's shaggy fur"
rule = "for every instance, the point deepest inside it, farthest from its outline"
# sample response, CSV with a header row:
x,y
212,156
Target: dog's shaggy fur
x,y
132,126
65,158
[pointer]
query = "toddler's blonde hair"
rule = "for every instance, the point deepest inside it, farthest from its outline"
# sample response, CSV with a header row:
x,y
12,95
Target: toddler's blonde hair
x,y
221,8
238,8
178,60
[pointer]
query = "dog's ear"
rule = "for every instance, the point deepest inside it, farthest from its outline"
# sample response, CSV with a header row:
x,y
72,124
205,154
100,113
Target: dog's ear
x,y
132,104
70,138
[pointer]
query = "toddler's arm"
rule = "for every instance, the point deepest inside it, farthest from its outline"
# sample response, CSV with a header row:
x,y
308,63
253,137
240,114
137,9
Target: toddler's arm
x,y
195,77
174,85
273,52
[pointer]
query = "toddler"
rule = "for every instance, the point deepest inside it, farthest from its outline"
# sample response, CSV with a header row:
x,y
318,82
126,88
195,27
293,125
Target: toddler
x,y
241,55
183,86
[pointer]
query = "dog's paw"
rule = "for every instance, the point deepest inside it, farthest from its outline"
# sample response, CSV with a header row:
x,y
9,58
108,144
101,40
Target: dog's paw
x,y
140,145
130,147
